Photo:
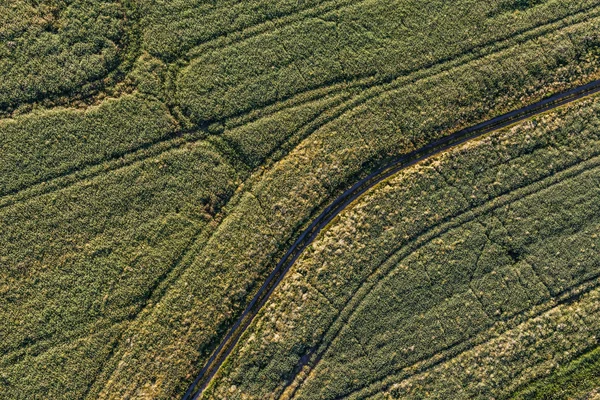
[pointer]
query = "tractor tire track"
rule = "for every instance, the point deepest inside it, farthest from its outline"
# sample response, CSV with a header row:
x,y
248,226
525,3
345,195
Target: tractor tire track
x,y
479,50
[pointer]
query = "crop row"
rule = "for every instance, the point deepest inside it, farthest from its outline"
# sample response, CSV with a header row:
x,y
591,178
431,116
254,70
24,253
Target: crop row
x,y
577,379
41,146
66,140
90,257
382,39
172,27
495,368
428,259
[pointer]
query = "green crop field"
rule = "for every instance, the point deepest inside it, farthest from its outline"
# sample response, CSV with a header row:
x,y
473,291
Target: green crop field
x,y
157,159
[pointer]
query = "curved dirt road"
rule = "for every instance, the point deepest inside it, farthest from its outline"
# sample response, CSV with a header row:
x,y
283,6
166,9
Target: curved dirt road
x,y
340,203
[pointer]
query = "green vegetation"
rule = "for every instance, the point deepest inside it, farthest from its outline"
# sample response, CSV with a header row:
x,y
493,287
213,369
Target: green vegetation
x,y
536,347
315,171
84,259
42,146
384,40
150,150
432,270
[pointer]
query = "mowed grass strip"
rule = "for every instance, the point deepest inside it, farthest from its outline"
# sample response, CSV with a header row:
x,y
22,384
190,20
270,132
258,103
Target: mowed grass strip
x,y
348,315
197,309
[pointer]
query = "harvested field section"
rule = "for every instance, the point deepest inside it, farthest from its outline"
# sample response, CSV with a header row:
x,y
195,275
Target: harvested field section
x,y
455,242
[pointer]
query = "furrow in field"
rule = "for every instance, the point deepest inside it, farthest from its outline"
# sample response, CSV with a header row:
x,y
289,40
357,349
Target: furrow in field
x,y
372,86
45,343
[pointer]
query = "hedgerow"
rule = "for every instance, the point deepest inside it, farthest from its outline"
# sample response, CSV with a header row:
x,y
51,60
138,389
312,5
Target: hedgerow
x,y
428,260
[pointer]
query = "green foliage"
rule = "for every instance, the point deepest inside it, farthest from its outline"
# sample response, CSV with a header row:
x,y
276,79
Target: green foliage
x,y
43,145
392,120
175,26
90,256
133,233
386,40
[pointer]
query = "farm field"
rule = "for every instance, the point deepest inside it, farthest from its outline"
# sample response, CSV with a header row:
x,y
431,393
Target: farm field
x,y
454,278
158,158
